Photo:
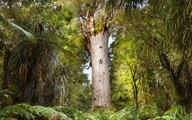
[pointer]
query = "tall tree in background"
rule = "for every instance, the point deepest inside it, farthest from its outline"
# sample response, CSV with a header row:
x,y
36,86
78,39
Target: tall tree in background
x,y
164,34
179,32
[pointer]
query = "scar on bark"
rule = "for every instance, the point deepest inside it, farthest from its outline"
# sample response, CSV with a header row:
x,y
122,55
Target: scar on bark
x,y
100,61
100,47
94,98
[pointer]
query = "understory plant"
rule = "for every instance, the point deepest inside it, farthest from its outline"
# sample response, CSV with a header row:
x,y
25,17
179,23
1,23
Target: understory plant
x,y
24,111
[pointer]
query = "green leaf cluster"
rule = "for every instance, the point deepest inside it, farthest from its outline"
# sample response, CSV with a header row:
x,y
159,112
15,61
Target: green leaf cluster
x,y
28,112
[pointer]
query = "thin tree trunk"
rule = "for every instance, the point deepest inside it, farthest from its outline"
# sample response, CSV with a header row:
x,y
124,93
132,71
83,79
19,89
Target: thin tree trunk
x,y
136,94
135,89
100,70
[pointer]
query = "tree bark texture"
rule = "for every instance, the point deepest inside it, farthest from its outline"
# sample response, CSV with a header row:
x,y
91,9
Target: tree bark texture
x,y
6,68
100,70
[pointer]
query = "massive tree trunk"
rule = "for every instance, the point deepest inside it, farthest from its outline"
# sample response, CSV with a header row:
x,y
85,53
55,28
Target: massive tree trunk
x,y
94,26
100,70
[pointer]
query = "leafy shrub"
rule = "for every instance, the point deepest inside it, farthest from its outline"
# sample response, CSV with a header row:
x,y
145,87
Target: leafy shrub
x,y
128,113
69,110
94,114
147,112
176,113
27,112
5,97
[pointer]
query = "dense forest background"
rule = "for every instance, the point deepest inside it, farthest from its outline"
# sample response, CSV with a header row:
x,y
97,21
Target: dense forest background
x,y
138,52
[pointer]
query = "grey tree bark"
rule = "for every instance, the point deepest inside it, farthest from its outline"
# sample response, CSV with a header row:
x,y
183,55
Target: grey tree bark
x,y
94,26
100,70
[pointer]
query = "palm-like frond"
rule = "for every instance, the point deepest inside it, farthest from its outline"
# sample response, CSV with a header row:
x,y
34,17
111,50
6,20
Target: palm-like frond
x,y
8,24
28,34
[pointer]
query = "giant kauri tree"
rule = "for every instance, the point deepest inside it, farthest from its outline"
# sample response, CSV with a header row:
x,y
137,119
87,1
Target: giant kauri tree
x,y
96,17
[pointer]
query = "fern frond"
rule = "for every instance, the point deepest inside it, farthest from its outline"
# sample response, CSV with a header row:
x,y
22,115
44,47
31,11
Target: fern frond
x,y
48,113
43,111
29,112
17,110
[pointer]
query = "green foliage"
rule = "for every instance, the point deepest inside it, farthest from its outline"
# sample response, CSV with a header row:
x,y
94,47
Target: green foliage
x,y
148,111
54,30
98,26
176,113
152,50
17,110
28,112
69,110
93,115
131,113
127,113
5,96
